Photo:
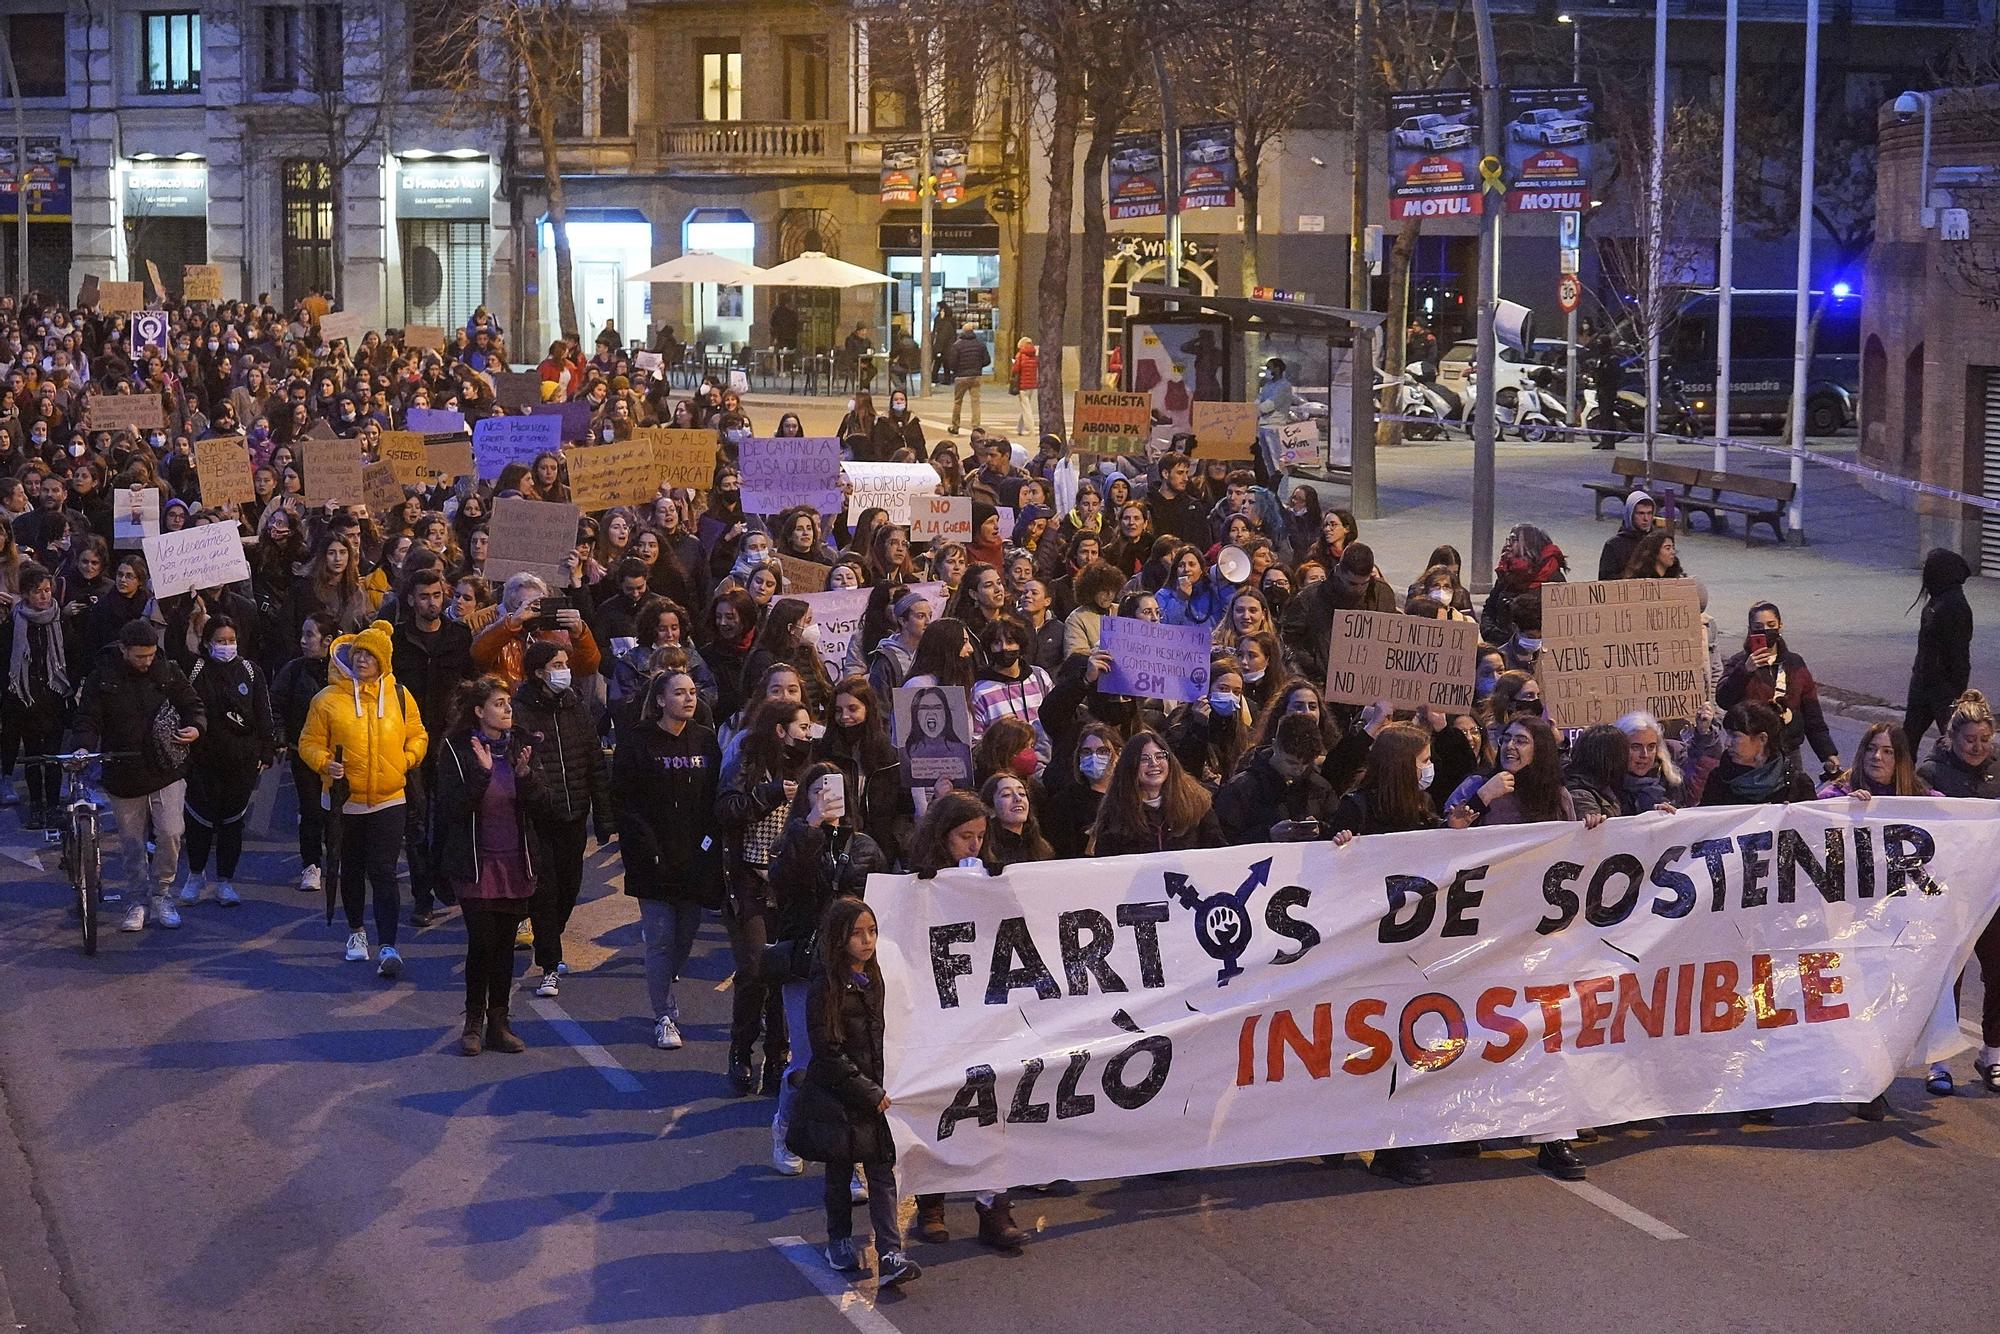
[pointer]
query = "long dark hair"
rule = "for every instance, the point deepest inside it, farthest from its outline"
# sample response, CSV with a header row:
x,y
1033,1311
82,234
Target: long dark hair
x,y
941,653
1598,757
1183,801
928,853
1395,802
1539,787
1031,832
468,697
763,753
835,926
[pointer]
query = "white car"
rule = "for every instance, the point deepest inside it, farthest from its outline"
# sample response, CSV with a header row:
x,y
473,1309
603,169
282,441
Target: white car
x,y
948,157
1135,161
1547,125
1432,133
1209,151
1455,366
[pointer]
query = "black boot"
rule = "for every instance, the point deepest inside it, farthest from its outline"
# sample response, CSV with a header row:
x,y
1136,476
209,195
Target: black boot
x,y
996,1225
774,1073
1559,1160
468,1041
741,1080
499,1037
1407,1167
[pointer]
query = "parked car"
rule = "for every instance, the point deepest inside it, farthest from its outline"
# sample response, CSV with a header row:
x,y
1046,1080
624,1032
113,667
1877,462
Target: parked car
x,y
1432,133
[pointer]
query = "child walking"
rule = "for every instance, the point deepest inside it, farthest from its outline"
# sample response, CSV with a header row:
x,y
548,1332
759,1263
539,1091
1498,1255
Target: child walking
x,y
837,1119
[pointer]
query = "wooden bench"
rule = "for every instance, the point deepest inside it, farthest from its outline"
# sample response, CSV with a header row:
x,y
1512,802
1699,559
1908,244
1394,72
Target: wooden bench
x,y
1633,475
1765,500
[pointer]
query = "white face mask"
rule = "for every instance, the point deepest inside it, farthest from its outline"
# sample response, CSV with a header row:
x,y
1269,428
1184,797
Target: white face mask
x,y
1254,677
1529,645
1426,772
809,634
222,652
1441,595
558,678
1094,767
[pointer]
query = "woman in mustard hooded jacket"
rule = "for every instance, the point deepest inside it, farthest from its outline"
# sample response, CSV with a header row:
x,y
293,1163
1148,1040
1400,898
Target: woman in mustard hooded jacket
x,y
375,726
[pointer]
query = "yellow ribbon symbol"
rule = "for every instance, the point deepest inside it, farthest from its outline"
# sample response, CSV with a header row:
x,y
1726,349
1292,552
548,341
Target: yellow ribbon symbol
x,y
1489,176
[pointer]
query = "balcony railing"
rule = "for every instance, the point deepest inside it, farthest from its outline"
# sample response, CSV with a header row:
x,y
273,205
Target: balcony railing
x,y
742,145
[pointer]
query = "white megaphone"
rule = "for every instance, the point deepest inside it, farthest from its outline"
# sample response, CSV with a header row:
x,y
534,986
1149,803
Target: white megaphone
x,y
1234,563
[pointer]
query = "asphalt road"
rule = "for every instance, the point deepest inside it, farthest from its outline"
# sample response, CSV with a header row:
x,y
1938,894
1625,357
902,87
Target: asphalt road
x,y
229,1128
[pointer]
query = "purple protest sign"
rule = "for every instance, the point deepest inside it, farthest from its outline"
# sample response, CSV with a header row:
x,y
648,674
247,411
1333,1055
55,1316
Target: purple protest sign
x,y
781,474
499,441
1155,660
575,416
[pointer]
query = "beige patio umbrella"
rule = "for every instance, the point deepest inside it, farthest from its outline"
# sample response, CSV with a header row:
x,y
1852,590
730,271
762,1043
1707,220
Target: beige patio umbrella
x,y
701,266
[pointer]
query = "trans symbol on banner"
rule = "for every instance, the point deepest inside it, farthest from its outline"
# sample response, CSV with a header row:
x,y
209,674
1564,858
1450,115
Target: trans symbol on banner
x,y
1221,925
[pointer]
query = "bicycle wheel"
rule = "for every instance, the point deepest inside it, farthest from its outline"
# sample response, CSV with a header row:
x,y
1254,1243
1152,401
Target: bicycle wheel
x,y
86,863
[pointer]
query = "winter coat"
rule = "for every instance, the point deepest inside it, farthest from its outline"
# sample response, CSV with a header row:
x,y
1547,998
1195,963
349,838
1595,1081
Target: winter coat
x,y
567,757
1948,775
1804,722
1588,800
875,790
377,726
42,701
814,866
431,666
1259,796
1028,368
501,649
241,735
455,809
664,789
1943,663
844,1124
1307,624
1723,783
967,358
292,692
1156,837
1618,548
117,713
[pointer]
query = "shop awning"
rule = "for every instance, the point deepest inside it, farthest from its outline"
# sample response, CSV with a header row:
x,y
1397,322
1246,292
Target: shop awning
x,y
972,228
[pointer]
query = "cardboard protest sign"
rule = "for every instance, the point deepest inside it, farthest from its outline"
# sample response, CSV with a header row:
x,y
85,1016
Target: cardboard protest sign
x,y
532,536
223,466
1109,422
88,292
933,730
681,456
338,324
651,363
380,490
434,421
1611,648
1410,661
515,390
942,519
779,474
1299,445
889,485
803,576
123,412
838,616
421,337
121,298
331,470
205,557
449,459
135,514
614,474
321,429
574,416
159,287
1155,661
499,441
201,282
1224,430
403,451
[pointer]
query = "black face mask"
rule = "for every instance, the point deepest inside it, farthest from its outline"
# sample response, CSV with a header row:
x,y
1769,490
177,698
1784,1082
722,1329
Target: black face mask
x,y
1004,657
797,751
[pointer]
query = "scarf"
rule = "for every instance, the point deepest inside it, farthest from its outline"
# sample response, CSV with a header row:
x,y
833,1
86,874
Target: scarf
x,y
1756,786
56,668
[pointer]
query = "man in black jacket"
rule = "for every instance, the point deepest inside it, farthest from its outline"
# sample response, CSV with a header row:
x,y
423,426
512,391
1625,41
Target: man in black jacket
x,y
124,713
1279,796
967,359
1349,586
38,530
1176,512
431,657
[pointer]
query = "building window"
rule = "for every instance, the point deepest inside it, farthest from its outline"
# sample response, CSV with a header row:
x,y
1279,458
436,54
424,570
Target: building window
x,y
439,53
892,79
38,43
805,77
307,200
301,48
722,80
566,54
170,52
614,85
444,270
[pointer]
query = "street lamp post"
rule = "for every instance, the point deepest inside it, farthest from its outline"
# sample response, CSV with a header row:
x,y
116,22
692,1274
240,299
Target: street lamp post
x,y
1571,396
1486,351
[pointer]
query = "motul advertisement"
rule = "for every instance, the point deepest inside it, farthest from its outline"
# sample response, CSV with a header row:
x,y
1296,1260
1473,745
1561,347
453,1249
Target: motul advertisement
x,y
1136,179
1549,149
1434,155
900,161
1208,166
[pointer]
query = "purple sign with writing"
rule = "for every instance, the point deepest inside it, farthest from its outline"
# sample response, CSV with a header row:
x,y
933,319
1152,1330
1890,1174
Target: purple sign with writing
x,y
575,417
499,441
780,474
1155,660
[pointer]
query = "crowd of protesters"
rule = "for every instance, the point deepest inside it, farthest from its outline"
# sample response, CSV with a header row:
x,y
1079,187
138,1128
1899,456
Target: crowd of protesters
x,y
669,691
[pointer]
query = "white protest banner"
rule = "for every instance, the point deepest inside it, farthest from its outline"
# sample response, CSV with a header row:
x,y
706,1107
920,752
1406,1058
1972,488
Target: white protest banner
x,y
434,421
532,536
135,515
347,324
889,485
651,363
780,474
1611,648
204,557
838,616
499,441
1241,1005
1411,661
1155,660
941,519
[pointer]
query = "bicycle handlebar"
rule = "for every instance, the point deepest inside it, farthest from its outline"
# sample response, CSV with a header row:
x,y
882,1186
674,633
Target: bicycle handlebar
x,y
79,757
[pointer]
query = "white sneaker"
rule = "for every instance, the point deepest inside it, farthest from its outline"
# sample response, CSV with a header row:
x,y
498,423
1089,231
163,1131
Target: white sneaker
x,y
357,947
226,895
667,1034
547,986
164,912
788,1163
135,918
309,880
391,965
193,887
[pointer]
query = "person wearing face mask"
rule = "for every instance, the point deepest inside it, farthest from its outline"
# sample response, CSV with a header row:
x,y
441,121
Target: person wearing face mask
x,y
1007,684
1767,671
224,764
757,792
1525,645
857,739
790,636
1308,618
1491,663
569,763
1278,795
899,428
1211,735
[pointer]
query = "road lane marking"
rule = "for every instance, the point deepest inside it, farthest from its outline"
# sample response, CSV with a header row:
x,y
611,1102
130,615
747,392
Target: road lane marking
x,y
850,1301
1617,1208
570,1031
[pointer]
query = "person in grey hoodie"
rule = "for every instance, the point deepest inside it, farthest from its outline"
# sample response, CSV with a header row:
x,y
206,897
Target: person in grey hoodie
x,y
1639,511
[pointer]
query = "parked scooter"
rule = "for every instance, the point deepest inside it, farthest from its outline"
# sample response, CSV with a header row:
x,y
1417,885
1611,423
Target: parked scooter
x,y
1421,408
1530,410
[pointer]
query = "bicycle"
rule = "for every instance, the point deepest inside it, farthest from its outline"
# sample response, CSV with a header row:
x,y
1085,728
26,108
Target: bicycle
x,y
80,836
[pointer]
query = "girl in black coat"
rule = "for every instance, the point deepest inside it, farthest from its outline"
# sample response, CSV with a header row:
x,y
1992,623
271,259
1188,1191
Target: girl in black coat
x,y
842,1122
226,760
292,694
570,763
664,778
43,658
1943,664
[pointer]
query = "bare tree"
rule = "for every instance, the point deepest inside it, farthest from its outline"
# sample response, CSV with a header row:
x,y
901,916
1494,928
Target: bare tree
x,y
529,65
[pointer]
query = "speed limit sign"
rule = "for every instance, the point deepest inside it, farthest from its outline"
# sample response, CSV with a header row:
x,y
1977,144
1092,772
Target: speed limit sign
x,y
1569,292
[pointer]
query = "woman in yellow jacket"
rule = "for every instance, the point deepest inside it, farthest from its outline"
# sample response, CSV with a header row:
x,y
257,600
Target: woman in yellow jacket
x,y
374,725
